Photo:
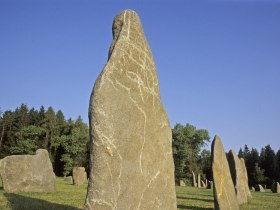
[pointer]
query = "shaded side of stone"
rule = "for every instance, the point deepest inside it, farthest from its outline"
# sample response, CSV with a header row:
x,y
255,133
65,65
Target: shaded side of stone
x,y
224,192
238,176
131,165
246,184
28,173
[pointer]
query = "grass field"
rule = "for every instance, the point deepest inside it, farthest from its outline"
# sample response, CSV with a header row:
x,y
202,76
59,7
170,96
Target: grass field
x,y
69,197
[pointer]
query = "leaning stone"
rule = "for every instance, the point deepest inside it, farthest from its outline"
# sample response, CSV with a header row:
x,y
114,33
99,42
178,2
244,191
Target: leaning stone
x,y
238,176
203,184
259,188
224,193
79,176
246,184
68,179
194,180
28,173
182,183
275,187
131,164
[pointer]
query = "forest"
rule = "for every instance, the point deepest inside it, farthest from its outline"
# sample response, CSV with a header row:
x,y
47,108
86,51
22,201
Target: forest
x,y
25,130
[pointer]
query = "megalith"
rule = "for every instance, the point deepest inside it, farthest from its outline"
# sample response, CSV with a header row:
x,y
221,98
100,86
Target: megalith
x,y
246,184
224,193
182,183
259,188
198,181
68,179
275,187
194,179
28,173
203,184
131,163
238,177
79,176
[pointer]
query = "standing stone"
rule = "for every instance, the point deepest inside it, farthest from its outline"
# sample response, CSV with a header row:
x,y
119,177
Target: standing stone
x,y
182,183
68,179
224,193
131,165
206,183
238,177
79,176
275,187
246,184
203,184
194,179
198,181
210,185
259,188
28,173
253,189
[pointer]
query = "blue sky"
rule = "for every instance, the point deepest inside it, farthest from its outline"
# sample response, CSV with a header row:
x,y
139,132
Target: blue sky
x,y
218,62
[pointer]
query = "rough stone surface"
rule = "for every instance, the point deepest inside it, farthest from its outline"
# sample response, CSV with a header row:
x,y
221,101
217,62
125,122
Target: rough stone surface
x,y
79,176
224,193
275,188
68,179
131,164
194,180
182,183
238,177
28,173
248,192
259,188
253,188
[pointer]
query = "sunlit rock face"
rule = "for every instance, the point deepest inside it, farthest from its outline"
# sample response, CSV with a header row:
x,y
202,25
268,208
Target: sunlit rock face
x,y
28,173
224,193
131,165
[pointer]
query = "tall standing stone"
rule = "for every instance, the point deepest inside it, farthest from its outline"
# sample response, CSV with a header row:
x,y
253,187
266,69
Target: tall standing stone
x,y
194,179
198,181
131,164
238,177
224,193
28,173
246,184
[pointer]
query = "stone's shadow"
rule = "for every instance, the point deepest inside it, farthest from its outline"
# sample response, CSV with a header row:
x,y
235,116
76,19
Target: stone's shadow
x,y
198,199
20,202
192,207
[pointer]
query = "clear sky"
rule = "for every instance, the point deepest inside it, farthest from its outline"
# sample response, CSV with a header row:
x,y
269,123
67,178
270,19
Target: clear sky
x,y
218,61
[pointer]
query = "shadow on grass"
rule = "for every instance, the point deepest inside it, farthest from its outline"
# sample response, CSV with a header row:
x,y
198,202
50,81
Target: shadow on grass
x,y
20,202
197,199
192,207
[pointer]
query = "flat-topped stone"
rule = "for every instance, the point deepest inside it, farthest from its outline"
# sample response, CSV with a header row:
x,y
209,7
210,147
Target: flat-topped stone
x,y
131,163
28,173
224,193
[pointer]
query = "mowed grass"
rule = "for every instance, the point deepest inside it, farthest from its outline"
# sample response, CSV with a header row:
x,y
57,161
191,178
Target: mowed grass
x,y
69,197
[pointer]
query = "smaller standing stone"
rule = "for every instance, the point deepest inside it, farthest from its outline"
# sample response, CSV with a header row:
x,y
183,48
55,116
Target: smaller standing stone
x,y
68,179
253,189
79,176
206,183
259,188
210,185
198,181
224,193
194,179
182,183
203,184
275,187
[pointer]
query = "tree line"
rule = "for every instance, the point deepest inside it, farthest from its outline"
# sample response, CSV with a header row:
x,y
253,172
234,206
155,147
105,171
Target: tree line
x,y
25,130
262,168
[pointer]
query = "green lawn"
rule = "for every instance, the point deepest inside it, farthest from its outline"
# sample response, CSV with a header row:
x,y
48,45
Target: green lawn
x,y
69,197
